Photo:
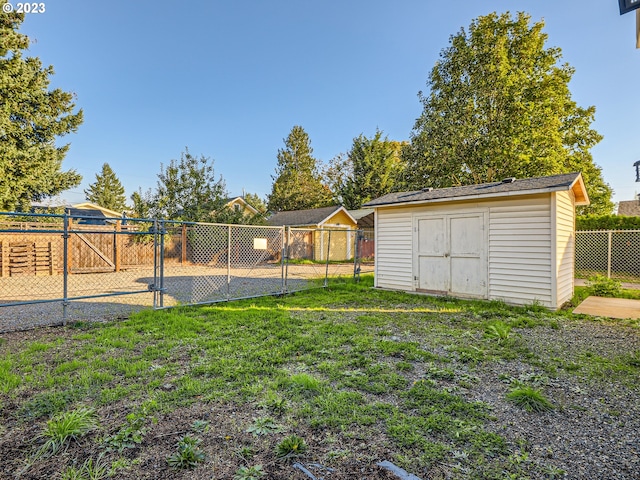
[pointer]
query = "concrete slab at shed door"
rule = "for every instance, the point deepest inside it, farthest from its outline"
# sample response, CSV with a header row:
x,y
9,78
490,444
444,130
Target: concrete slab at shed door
x,y
450,254
609,307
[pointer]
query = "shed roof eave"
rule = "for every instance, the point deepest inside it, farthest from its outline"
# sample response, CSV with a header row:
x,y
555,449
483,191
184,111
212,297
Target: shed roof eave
x,y
462,198
580,192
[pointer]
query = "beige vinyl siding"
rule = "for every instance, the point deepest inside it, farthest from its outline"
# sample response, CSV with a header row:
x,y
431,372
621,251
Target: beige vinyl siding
x,y
520,250
565,246
394,249
530,241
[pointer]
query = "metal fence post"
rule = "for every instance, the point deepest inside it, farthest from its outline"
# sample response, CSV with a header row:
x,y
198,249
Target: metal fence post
x,y
609,256
356,257
326,272
65,268
162,233
287,251
153,286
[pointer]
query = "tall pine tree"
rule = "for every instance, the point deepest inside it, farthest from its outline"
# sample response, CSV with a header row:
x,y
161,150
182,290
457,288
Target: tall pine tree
x,y
107,191
31,118
297,184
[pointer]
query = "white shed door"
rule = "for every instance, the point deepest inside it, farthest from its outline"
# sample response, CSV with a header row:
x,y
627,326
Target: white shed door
x,y
450,254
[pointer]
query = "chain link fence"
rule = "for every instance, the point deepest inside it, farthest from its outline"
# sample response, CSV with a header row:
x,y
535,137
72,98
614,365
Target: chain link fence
x,y
614,253
56,269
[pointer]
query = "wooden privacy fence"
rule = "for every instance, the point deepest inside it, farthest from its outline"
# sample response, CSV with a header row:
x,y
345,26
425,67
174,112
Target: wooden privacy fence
x,y
38,249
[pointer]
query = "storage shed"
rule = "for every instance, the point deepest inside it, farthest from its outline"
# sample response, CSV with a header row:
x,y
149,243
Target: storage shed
x,y
511,240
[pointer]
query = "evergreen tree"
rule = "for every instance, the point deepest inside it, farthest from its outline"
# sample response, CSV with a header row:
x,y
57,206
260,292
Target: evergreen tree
x,y
499,106
371,169
31,118
297,184
107,191
188,190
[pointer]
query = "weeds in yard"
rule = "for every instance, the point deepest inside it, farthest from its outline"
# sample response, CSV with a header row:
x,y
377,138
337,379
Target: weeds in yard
x,y
199,426
188,455
530,399
356,364
274,403
130,435
246,453
602,286
67,426
89,470
499,331
264,426
249,473
291,446
60,430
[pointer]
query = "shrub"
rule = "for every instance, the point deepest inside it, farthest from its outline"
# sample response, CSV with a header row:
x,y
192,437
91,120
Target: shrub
x,y
602,286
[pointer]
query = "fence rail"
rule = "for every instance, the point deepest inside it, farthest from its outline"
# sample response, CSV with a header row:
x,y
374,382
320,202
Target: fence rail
x,y
58,268
614,253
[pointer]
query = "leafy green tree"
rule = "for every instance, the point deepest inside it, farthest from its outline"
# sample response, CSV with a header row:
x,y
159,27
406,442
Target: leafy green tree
x,y
297,184
188,190
499,106
31,118
370,169
107,191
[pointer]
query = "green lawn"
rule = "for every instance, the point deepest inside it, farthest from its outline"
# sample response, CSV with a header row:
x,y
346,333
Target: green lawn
x,y
343,377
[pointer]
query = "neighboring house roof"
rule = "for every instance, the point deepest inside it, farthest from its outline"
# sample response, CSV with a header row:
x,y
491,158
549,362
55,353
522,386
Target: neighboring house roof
x,y
242,203
629,208
87,216
507,187
363,216
92,206
305,218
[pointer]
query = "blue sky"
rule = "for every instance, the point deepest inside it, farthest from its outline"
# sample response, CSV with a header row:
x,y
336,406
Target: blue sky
x,y
230,79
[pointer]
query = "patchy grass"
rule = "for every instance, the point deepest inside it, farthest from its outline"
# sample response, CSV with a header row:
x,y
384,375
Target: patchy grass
x,y
343,377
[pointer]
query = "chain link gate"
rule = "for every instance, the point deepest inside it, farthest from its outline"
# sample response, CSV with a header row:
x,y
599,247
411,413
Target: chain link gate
x,y
220,262
64,268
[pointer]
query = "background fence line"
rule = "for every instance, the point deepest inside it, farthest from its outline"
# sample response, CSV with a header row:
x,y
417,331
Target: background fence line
x,y
614,253
103,269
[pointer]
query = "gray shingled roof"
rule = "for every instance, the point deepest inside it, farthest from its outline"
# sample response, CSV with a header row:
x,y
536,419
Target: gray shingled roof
x,y
363,216
300,218
629,208
551,183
